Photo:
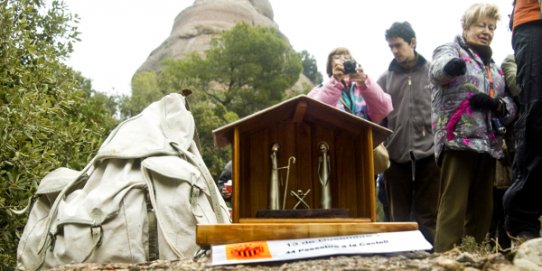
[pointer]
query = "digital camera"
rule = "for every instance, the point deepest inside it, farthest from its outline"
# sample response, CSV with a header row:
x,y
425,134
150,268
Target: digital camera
x,y
350,66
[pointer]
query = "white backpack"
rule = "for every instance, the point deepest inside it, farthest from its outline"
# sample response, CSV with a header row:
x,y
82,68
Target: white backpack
x,y
138,200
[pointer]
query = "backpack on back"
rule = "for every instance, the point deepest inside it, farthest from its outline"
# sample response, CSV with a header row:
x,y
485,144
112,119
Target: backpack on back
x,y
138,200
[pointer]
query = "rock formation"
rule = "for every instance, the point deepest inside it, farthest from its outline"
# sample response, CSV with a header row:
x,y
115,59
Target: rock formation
x,y
195,26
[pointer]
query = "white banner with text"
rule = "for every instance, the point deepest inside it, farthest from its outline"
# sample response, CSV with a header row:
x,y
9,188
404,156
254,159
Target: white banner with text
x,y
282,250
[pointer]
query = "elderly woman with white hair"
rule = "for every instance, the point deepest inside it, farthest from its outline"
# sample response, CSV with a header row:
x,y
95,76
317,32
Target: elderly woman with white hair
x,y
469,110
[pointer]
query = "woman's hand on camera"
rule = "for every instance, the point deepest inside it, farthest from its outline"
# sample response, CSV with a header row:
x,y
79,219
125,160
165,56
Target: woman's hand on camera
x,y
359,76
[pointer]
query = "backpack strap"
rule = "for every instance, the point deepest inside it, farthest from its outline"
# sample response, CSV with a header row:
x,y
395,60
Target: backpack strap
x,y
198,162
97,234
152,198
154,252
25,209
195,160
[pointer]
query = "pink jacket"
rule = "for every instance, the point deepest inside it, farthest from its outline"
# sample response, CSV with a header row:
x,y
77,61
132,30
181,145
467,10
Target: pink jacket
x,y
370,101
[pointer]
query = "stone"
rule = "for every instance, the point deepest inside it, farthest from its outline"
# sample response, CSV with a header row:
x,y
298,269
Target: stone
x,y
529,255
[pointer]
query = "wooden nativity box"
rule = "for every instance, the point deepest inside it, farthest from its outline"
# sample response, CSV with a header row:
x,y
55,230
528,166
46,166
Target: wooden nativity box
x,y
294,142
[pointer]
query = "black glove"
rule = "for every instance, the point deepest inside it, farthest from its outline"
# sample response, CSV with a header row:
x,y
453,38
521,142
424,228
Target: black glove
x,y
455,67
482,101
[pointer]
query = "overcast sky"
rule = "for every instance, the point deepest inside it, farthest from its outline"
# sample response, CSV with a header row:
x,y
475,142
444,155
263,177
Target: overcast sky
x,y
118,35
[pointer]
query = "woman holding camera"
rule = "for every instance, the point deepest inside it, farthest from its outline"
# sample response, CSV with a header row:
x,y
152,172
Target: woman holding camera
x,y
469,107
351,90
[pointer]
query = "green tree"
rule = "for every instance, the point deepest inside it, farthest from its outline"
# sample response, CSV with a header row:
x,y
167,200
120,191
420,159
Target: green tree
x,y
247,68
254,64
50,116
310,69
145,90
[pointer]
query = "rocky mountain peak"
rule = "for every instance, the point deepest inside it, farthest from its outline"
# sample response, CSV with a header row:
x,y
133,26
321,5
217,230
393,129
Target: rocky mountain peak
x,y
195,26
262,6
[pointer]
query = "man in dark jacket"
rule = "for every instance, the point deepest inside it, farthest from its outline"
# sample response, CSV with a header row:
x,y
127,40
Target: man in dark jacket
x,y
412,181
522,204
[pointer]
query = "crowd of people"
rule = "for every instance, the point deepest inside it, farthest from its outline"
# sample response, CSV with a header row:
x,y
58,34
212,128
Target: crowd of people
x,y
466,152
457,121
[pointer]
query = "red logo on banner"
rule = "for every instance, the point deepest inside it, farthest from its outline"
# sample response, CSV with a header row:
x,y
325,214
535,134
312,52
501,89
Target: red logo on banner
x,y
248,251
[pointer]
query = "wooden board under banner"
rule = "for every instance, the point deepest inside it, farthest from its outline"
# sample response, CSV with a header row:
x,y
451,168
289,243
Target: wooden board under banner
x,y
213,234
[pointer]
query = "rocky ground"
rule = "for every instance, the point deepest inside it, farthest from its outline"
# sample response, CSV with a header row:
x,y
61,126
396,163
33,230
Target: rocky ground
x,y
526,257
